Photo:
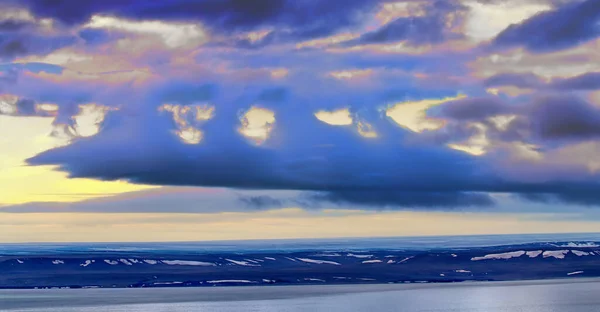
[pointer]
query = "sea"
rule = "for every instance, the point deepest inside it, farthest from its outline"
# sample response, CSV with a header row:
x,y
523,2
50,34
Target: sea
x,y
524,296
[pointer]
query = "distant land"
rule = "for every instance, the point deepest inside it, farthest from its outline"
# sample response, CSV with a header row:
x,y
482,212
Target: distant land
x,y
300,262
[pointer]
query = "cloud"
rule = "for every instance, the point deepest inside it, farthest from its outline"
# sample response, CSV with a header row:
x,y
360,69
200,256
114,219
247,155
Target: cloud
x,y
392,199
519,80
564,117
288,18
584,82
587,81
303,96
567,26
431,28
470,109
542,118
15,106
156,200
261,201
573,197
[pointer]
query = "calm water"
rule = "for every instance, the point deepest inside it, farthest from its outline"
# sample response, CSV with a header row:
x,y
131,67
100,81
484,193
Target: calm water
x,y
552,296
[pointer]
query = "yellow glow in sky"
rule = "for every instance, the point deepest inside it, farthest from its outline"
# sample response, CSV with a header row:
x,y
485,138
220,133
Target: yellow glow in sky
x,y
475,145
412,115
366,130
257,124
19,183
285,223
340,117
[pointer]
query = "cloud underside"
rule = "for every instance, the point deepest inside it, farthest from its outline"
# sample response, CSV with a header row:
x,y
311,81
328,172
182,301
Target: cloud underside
x,y
372,103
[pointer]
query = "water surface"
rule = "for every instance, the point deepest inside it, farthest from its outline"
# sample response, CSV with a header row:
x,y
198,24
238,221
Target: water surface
x,y
536,296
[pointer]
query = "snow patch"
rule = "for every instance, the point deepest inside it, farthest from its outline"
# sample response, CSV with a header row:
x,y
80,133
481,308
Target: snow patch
x,y
307,260
244,263
251,261
87,262
111,262
405,259
186,262
58,262
462,271
229,281
359,256
500,256
150,261
575,273
454,255
167,283
327,255
581,245
580,253
558,254
534,253
314,280
20,261
390,261
269,258
124,261
372,261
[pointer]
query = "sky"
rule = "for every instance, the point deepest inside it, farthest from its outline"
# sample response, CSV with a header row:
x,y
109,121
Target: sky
x,y
191,120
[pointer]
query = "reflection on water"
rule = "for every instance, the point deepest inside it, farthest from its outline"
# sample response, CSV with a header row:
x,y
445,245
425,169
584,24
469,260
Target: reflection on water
x,y
480,297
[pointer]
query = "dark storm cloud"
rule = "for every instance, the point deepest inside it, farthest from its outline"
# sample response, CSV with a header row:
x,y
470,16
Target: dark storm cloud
x,y
565,27
310,156
302,154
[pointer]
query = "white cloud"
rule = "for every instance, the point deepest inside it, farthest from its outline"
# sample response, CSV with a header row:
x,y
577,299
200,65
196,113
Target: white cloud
x,y
486,20
187,119
89,119
174,35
